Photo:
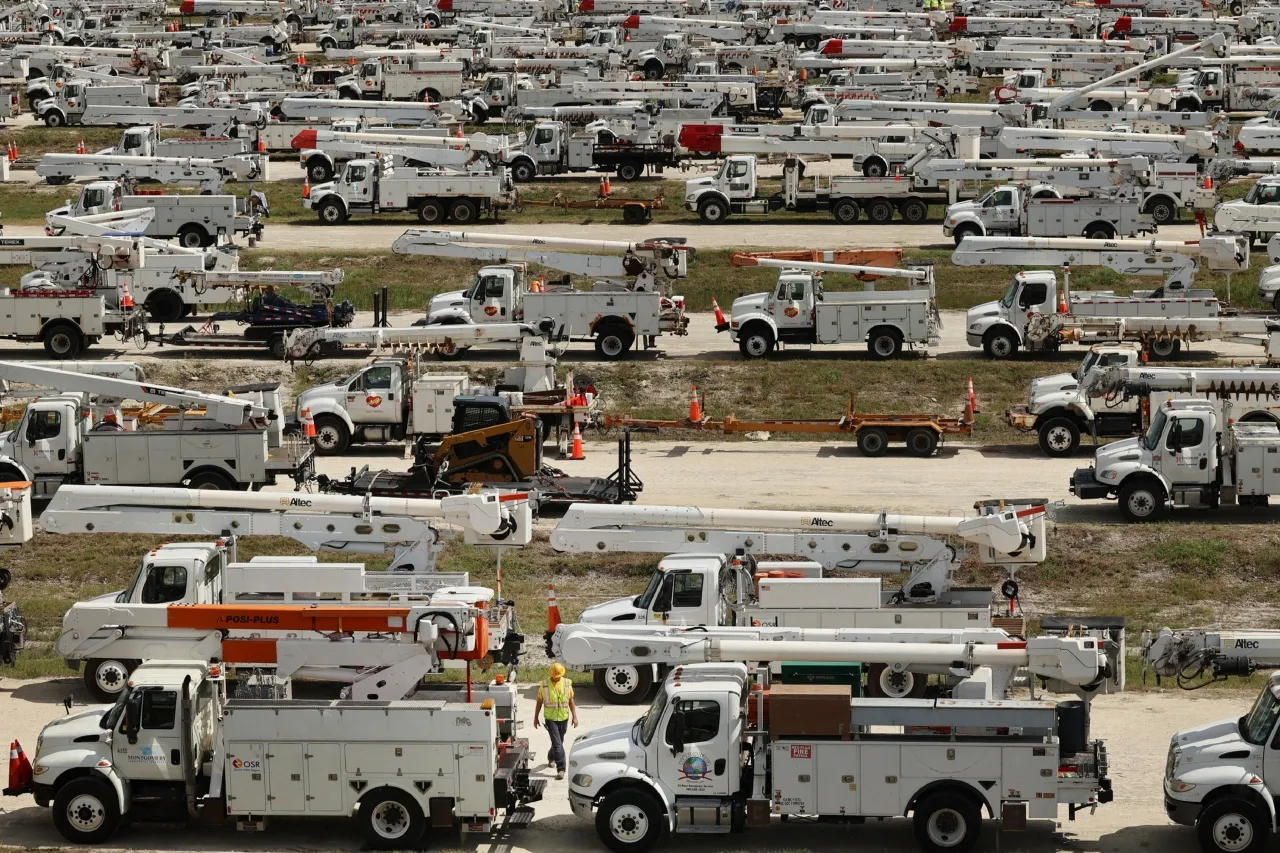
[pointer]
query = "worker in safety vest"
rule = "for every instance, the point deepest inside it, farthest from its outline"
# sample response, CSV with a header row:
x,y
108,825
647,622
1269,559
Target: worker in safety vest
x,y
555,694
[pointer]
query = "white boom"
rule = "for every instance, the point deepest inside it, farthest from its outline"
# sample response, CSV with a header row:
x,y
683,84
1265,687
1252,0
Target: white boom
x,y
1064,102
817,266
111,252
1200,142
606,258
1263,382
121,223
1195,656
224,410
210,174
445,339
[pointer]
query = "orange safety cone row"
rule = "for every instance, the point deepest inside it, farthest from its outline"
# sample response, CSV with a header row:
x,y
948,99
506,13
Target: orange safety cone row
x,y
20,775
973,398
720,320
13,151
578,452
695,407
308,424
553,609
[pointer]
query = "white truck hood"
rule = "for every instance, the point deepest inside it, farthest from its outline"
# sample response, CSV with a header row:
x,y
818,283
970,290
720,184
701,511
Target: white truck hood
x,y
609,747
694,187
961,207
320,392
1214,752
1120,453
443,301
1050,391
981,312
750,304
617,610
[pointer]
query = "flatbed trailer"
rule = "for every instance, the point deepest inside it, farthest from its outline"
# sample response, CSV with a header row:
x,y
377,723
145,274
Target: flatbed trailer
x,y
635,211
921,433
266,324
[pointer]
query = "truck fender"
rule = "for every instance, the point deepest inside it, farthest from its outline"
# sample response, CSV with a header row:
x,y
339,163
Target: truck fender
x,y
316,154
523,168
757,317
604,321
1005,325
8,465
1081,414
954,786
316,202
331,407
1142,471
631,778
1228,781
969,219
85,771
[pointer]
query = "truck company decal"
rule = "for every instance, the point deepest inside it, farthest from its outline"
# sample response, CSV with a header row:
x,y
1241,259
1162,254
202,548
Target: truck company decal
x,y
252,765
801,751
374,401
247,619
1247,644
303,502
694,769
820,522
146,755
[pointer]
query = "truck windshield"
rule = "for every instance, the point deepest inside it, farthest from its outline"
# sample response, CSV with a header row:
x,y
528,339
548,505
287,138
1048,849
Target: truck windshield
x,y
1152,439
1256,725
1090,359
1010,294
644,599
112,717
649,722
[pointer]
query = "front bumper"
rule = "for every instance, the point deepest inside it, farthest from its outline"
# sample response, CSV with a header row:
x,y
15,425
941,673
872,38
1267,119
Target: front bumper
x,y
581,804
1019,418
1086,485
1181,812
691,206
973,339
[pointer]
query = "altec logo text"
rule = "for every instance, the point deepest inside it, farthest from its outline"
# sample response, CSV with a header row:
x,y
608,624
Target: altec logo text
x,y
821,522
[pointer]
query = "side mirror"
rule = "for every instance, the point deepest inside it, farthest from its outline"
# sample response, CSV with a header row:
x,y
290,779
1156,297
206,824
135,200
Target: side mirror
x,y
678,731
662,601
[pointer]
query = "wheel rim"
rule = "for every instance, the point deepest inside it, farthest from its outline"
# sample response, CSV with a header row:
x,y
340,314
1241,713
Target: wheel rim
x,y
757,345
1163,349
1058,438
922,444
946,827
390,820
331,214
110,676
86,813
1233,832
611,345
430,213
60,342
872,443
713,212
884,346
327,437
896,685
882,213
847,213
1141,503
462,213
1000,346
629,823
622,680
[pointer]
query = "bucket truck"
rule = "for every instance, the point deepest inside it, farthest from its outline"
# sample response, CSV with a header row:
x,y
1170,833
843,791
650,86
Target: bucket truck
x,y
628,303
145,141
1030,315
109,640
210,174
801,311
375,187
807,750
232,444
1112,392
70,103
1257,215
322,152
392,112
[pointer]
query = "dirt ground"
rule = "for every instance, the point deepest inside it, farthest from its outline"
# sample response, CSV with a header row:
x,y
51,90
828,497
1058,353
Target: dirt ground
x,y
1136,727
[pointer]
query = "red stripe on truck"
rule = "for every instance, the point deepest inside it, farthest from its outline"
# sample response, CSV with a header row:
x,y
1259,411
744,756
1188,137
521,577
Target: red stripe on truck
x,y
304,140
831,47
701,137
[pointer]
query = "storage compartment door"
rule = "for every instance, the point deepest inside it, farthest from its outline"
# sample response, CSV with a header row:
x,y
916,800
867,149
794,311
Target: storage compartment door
x,y
475,780
854,322
285,788
1030,774
794,776
246,779
827,319
880,789
324,777
837,778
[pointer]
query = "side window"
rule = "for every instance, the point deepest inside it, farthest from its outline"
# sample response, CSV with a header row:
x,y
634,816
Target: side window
x,y
686,590
164,584
738,169
1190,430
159,709
356,174
1115,358
782,291
44,425
701,720
797,290
1033,293
543,135
494,287
1002,199
377,377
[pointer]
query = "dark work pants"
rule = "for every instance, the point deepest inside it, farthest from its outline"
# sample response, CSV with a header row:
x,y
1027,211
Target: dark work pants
x,y
556,729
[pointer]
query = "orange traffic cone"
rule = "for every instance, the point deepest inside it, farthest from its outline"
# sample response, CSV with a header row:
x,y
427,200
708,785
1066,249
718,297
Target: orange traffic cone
x,y
720,320
20,774
459,133
80,148
302,59
13,151
262,145
578,452
695,407
1062,301
308,424
602,192
608,186
553,609
973,399
306,188
126,299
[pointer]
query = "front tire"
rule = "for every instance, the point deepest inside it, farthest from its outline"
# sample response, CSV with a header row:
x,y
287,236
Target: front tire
x,y
390,819
523,172
713,211
630,821
947,823
1059,437
1000,344
1143,500
623,685
1232,825
331,213
332,436
757,343
965,231
86,811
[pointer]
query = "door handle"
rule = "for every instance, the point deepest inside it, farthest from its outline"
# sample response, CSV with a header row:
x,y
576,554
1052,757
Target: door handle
x,y
175,757
720,766
62,454
1204,463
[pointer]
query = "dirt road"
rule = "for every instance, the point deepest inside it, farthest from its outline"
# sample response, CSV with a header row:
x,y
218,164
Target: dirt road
x,y
1136,727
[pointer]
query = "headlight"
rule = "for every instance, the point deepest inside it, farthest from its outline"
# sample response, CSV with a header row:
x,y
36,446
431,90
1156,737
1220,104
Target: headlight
x,y
975,327
581,780
1179,787
39,769
1108,475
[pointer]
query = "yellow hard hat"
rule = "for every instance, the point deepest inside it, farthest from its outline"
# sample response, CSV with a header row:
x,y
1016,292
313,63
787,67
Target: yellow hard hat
x,y
557,670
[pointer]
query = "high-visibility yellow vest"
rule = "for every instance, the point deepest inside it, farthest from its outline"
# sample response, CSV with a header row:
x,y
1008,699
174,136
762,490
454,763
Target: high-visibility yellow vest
x,y
555,699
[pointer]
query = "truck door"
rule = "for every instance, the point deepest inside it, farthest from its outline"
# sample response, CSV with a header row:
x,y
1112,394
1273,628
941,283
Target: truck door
x,y
495,91
679,600
545,145
371,77
358,180
371,397
741,178
1000,212
793,304
693,757
1187,452
1035,298
489,299
147,744
48,448
1211,86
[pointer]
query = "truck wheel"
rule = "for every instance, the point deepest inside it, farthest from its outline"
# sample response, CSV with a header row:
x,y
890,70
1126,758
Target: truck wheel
x,y
1187,105
1162,211
1000,343
63,341
1143,499
946,821
653,70
523,171
713,211
327,44
391,820
874,168
1232,825
276,347
54,119
1164,348
922,442
57,180
319,171
845,211
104,678
331,213
613,344
1099,231
966,230
629,170
213,480
623,685
431,211
872,441
880,211
884,343
332,436
192,236
165,306
756,343
914,211
884,683
630,821
1059,437
86,810
430,96
463,212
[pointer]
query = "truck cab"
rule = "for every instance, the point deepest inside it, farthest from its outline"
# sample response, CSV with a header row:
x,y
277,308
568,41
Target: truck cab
x,y
45,446
1000,210
356,188
1257,215
733,184
671,51
369,405
784,314
496,295
66,106
998,327
684,589
1223,777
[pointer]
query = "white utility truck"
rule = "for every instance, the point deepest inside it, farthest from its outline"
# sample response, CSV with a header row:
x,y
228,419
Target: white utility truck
x,y
1257,215
800,311
112,634
212,441
630,301
196,221
375,187
1194,454
1009,209
1113,390
209,173
1036,313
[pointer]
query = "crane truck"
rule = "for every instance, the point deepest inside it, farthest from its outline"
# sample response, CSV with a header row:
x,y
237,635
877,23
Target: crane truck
x,y
232,443
110,641
801,311
628,304
210,174
1036,314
